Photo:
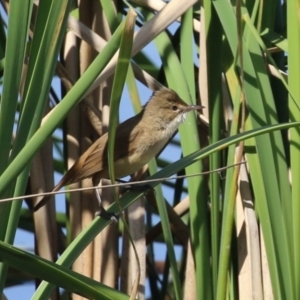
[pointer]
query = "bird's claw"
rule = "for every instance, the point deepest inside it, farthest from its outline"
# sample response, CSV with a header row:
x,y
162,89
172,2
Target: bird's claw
x,y
138,188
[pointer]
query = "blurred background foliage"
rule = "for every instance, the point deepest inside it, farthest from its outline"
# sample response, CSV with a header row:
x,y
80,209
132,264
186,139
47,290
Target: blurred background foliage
x,y
230,234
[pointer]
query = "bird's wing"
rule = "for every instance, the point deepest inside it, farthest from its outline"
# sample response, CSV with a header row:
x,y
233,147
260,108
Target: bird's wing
x,y
94,160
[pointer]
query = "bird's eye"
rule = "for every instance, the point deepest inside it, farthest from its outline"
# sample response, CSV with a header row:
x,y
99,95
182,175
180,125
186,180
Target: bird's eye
x,y
174,108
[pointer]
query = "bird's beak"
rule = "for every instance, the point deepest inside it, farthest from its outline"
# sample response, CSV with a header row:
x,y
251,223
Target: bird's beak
x,y
194,107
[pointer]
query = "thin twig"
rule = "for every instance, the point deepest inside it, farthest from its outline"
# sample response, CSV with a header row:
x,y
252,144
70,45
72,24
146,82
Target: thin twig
x,y
120,184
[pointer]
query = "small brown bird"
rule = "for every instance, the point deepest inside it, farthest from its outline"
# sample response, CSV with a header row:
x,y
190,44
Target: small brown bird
x,y
138,139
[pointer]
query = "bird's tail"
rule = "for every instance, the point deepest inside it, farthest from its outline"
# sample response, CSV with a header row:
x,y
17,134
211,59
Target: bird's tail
x,y
45,199
64,181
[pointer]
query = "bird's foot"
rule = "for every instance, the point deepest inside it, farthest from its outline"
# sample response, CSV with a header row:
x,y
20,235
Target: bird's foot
x,y
107,215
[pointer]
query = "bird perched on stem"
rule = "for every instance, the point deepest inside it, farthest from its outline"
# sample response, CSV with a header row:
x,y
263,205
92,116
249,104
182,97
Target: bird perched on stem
x,y
138,139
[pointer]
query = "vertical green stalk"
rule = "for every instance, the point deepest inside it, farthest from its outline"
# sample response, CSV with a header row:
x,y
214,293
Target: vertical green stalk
x,y
229,193
214,56
222,283
293,24
18,24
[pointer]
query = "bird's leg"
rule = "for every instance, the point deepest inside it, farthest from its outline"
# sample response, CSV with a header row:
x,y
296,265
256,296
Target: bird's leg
x,y
103,212
141,187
